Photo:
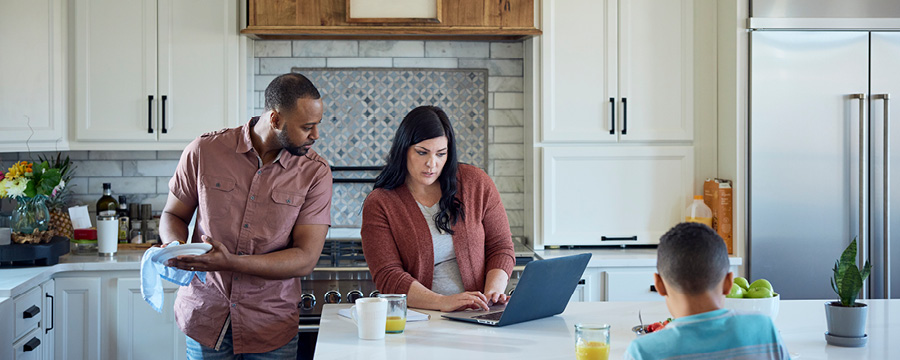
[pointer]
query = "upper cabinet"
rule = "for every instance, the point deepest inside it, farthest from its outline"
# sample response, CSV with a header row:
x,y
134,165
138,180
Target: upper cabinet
x,y
32,75
152,73
325,19
617,71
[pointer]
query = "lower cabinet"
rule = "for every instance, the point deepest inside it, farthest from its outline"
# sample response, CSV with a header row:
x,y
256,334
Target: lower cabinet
x,y
620,284
102,315
26,324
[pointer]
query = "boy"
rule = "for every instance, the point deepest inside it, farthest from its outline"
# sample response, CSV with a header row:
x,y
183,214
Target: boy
x,y
692,265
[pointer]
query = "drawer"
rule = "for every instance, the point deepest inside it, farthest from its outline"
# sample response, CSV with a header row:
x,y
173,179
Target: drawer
x,y
27,313
630,286
29,347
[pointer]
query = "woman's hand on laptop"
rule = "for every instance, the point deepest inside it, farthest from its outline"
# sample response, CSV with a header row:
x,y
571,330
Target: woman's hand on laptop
x,y
496,297
467,300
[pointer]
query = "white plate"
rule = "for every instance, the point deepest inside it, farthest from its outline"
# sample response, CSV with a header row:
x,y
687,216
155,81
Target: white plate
x,y
187,249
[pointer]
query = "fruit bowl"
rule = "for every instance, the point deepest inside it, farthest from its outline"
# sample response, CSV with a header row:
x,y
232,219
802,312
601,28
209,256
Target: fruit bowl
x,y
767,306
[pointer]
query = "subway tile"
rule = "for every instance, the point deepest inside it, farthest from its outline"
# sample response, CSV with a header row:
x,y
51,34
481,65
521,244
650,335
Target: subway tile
x,y
509,167
122,155
261,82
516,217
78,185
123,185
157,201
513,201
98,168
318,48
495,67
490,137
168,155
506,151
6,164
360,62
162,184
509,184
508,135
431,63
508,101
256,66
504,50
490,100
517,230
506,117
458,49
34,156
391,48
150,168
10,156
506,83
260,99
272,48
90,200
278,66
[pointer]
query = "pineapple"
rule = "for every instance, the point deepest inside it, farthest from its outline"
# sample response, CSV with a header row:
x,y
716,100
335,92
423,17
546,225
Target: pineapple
x,y
60,222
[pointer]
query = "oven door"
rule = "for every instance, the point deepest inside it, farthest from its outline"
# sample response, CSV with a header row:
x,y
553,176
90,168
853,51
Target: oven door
x,y
307,333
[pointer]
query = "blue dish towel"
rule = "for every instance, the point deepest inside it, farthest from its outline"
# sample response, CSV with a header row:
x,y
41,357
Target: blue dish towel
x,y
153,272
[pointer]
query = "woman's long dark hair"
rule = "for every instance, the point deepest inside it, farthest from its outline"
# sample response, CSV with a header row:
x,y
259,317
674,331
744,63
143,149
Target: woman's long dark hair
x,y
423,123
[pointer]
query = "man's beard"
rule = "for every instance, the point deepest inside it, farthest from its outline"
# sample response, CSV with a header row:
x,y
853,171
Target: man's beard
x,y
290,146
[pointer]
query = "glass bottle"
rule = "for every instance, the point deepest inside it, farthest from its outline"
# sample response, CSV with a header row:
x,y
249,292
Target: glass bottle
x,y
122,216
107,205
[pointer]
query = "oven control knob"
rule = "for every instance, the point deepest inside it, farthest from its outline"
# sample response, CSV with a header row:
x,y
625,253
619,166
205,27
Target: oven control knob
x,y
307,301
353,295
374,293
332,297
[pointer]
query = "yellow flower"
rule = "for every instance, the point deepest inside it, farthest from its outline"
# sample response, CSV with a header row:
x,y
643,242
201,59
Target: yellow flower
x,y
3,187
19,169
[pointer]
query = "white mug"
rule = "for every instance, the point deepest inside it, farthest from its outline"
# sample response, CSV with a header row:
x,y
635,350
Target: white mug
x,y
370,316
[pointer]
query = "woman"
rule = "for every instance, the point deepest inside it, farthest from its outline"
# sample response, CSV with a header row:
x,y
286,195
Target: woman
x,y
433,228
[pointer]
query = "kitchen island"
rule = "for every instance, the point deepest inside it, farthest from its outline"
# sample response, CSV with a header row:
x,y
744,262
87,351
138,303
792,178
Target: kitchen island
x,y
801,322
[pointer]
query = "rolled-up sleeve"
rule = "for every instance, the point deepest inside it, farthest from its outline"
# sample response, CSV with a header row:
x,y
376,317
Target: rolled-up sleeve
x,y
184,183
382,250
316,208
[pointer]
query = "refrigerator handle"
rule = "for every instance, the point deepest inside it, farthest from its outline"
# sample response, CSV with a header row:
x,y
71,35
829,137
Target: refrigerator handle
x,y
862,238
886,193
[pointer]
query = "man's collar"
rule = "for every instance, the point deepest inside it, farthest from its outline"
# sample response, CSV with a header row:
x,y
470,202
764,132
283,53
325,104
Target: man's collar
x,y
244,145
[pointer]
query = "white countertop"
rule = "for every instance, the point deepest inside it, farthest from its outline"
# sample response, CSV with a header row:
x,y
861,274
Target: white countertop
x,y
801,322
615,256
13,281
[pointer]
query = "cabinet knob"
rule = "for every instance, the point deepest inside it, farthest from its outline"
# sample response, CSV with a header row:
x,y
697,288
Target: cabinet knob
x,y
31,312
31,345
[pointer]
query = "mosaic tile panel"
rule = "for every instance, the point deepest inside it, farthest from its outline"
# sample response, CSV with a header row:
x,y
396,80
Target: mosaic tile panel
x,y
363,108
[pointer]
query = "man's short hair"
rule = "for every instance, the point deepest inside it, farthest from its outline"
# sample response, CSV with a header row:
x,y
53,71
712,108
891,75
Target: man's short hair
x,y
283,92
692,258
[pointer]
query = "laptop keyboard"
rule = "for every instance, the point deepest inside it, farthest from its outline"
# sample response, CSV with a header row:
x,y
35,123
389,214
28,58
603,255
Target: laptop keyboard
x,y
495,316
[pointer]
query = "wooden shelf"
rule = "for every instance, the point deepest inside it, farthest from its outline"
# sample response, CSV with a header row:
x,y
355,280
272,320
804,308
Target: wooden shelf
x,y
389,33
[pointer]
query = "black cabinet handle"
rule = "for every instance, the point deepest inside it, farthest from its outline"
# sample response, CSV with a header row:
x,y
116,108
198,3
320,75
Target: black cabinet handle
x,y
52,313
652,288
619,238
624,117
31,345
612,116
149,114
164,130
31,312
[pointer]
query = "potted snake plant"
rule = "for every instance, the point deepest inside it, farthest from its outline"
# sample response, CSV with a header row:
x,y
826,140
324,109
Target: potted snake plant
x,y
846,318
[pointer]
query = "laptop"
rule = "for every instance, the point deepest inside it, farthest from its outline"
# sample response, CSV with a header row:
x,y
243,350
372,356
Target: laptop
x,y
543,290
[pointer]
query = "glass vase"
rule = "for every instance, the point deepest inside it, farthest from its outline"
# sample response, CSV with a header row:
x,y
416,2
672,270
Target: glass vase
x,y
31,214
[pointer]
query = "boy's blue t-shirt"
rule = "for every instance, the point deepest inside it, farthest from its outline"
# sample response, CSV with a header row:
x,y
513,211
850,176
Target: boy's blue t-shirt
x,y
718,334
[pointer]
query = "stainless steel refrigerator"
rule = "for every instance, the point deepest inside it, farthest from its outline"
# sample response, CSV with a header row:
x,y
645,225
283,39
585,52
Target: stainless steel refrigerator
x,y
819,150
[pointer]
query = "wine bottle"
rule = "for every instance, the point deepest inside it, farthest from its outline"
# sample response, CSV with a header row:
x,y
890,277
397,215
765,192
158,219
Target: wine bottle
x,y
107,205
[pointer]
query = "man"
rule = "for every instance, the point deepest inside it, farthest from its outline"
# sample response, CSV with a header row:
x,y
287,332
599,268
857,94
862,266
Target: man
x,y
263,200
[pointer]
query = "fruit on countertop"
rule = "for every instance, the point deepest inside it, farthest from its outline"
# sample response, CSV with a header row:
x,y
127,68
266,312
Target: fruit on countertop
x,y
742,282
761,288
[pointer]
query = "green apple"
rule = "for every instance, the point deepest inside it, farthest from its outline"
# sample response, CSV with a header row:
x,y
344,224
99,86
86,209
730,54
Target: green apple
x,y
763,283
759,292
737,292
742,282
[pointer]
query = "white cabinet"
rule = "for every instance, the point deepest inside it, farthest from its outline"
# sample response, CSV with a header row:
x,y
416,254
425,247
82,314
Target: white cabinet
x,y
78,323
630,285
617,71
141,332
153,73
49,320
26,324
614,195
32,75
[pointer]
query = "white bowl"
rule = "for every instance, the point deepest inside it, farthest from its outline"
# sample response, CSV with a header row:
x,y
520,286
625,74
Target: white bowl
x,y
767,306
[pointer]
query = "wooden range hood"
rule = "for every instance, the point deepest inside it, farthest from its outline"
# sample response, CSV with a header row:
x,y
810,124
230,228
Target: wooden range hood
x,y
476,20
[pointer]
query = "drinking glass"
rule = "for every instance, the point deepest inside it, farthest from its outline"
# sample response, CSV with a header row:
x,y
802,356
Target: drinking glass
x,y
396,315
591,341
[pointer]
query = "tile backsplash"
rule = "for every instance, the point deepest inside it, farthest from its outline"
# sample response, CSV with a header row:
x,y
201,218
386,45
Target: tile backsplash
x,y
143,175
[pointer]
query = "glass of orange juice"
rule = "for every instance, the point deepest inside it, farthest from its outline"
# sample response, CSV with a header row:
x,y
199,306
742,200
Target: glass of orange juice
x,y
591,341
396,314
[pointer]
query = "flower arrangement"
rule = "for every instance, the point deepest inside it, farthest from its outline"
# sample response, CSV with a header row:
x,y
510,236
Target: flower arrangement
x,y
31,184
24,181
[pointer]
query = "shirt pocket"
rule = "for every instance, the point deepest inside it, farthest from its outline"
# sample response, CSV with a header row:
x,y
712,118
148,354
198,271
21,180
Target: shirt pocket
x,y
220,195
285,209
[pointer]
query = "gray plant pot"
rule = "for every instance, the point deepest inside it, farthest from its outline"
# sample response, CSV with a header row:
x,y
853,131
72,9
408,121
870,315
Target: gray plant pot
x,y
846,321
